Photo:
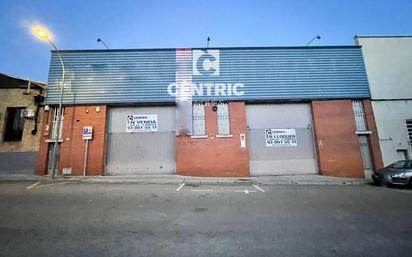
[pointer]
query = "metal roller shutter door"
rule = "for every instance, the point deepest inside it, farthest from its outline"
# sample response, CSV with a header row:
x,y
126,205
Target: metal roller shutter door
x,y
280,160
141,152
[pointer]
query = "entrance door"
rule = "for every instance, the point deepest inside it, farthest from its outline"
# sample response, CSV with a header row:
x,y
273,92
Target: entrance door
x,y
365,152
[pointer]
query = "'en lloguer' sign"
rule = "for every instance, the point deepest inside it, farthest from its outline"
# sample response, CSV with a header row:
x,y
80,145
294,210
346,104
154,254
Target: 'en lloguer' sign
x,y
141,123
280,137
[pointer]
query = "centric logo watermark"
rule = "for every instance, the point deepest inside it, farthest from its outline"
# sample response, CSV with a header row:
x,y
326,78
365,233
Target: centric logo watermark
x,y
186,90
206,62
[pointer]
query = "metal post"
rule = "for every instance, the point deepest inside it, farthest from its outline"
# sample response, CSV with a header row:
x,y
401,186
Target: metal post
x,y
59,113
86,151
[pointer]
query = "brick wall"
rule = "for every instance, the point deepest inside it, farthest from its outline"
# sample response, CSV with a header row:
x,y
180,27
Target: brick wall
x,y
215,156
44,131
14,97
336,143
72,147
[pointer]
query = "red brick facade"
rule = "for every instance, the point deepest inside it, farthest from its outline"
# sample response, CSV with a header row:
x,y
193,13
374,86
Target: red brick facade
x,y
73,145
42,160
215,156
337,145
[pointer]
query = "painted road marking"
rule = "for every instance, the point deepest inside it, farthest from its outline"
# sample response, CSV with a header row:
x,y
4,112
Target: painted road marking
x,y
258,188
35,184
245,191
180,187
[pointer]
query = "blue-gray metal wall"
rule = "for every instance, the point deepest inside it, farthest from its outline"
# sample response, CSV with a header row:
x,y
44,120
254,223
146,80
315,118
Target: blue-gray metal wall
x,y
268,73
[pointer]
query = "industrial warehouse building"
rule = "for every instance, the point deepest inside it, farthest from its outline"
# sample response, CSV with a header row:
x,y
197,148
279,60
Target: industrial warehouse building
x,y
388,62
246,111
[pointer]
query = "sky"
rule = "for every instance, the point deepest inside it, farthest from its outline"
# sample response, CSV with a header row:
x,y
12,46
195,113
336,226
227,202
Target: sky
x,y
76,24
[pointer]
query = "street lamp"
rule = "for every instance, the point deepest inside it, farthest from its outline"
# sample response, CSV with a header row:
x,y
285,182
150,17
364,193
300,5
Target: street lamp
x,y
43,34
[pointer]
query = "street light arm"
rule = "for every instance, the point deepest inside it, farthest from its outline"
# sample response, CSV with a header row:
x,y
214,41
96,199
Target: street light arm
x,y
59,55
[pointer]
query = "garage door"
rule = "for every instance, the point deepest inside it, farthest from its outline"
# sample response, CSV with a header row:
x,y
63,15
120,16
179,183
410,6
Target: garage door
x,y
150,149
280,139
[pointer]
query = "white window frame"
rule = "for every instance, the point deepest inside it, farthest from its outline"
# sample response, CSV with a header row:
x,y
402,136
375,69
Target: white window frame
x,y
223,120
360,117
54,125
199,120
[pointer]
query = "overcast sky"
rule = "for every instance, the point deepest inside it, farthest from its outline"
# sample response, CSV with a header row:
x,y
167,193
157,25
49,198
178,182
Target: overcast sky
x,y
170,24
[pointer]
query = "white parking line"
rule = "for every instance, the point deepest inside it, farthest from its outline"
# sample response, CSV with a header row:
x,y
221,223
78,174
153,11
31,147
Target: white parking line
x,y
35,184
180,187
245,191
258,188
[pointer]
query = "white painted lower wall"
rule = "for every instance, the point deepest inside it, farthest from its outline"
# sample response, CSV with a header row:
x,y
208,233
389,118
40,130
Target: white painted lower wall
x,y
390,118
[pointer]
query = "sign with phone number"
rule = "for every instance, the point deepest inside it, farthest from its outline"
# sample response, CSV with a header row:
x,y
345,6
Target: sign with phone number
x,y
141,123
280,137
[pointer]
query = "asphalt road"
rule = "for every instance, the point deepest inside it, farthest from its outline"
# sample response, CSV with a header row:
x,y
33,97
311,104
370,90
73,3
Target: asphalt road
x,y
85,219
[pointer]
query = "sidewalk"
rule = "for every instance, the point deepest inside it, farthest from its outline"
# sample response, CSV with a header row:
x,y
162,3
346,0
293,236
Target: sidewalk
x,y
177,179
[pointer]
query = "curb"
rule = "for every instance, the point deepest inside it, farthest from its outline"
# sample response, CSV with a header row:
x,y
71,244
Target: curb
x,y
17,178
176,180
314,183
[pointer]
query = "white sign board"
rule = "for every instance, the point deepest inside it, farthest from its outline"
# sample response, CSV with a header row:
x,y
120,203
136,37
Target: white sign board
x,y
280,137
87,132
67,171
242,140
141,123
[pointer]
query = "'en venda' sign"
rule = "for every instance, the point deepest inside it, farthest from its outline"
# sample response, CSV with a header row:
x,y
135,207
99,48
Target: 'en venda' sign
x,y
141,123
280,137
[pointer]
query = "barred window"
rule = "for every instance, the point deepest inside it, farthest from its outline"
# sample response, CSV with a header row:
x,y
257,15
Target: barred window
x,y
223,121
54,125
198,119
359,113
409,128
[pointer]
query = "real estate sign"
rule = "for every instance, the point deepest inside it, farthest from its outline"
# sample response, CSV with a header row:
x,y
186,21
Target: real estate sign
x,y
141,123
280,137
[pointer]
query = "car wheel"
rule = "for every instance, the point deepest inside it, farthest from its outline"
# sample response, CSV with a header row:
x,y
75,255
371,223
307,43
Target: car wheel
x,y
378,182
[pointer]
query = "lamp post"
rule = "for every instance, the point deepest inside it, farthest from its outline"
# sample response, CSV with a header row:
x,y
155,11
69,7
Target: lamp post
x,y
313,39
44,35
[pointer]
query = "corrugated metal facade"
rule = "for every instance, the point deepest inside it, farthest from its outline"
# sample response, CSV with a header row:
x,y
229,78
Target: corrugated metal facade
x,y
267,73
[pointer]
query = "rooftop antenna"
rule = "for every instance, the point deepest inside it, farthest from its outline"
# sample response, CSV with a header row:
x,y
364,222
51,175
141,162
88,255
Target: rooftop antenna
x,y
208,40
313,39
100,40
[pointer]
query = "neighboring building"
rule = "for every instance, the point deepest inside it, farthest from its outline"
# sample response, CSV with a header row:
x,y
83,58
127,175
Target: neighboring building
x,y
388,61
20,120
254,111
